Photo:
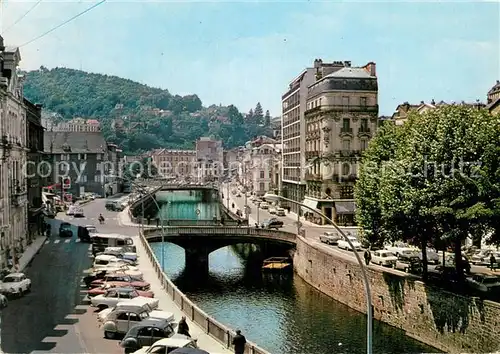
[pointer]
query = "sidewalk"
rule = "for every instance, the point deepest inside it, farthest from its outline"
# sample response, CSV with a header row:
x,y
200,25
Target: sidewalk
x,y
124,220
30,252
205,341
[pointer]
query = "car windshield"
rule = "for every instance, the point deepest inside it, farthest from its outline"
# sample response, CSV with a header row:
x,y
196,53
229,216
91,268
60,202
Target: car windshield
x,y
65,226
11,279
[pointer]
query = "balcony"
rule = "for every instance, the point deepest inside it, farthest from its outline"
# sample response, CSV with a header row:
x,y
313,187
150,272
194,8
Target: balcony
x,y
313,177
364,131
345,131
352,108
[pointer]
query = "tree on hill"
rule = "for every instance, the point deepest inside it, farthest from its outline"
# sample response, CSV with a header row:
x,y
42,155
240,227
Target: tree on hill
x,y
267,119
258,114
152,117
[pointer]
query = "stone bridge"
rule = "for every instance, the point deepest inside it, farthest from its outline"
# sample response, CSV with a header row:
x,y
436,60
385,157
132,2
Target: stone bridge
x,y
199,241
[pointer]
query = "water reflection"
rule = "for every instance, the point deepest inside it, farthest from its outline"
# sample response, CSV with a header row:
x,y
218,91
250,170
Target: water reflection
x,y
283,314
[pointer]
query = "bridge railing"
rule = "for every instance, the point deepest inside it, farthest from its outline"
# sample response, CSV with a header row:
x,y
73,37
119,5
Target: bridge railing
x,y
223,230
186,222
212,327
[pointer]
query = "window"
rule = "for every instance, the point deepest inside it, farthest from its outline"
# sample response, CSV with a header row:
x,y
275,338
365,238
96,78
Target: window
x,y
345,101
145,332
362,101
99,157
346,124
83,178
262,174
364,124
122,316
364,144
97,178
346,169
262,186
346,144
82,156
112,294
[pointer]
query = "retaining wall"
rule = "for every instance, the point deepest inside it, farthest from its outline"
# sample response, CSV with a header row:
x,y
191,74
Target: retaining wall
x,y
212,327
447,321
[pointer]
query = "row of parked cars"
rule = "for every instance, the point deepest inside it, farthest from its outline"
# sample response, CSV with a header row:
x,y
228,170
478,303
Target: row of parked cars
x,y
126,305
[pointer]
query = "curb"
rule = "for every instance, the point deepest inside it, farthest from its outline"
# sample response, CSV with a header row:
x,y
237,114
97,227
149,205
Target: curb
x,y
34,254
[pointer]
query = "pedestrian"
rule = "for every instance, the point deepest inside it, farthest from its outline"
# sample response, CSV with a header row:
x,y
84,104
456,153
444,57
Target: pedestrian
x,y
239,342
492,262
368,256
157,222
182,327
222,220
232,205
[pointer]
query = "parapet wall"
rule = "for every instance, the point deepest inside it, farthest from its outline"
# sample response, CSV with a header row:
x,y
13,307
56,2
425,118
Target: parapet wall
x,y
449,322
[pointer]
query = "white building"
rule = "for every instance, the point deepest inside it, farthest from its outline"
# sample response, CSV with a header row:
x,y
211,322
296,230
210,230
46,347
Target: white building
x,y
13,189
210,157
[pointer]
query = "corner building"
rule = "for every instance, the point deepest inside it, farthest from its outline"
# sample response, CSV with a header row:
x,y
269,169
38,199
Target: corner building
x,y
341,117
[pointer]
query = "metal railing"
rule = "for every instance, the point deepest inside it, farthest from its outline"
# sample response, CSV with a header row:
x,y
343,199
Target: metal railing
x,y
187,222
212,327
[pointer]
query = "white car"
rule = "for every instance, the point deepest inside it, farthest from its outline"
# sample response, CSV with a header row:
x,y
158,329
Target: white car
x,y
167,345
384,258
280,212
272,210
264,205
330,238
115,296
15,284
355,243
401,248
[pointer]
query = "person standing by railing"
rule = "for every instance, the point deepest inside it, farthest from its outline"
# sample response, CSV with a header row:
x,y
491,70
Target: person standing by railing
x,y
239,342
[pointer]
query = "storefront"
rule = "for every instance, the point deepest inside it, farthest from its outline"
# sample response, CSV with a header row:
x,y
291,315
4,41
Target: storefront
x,y
345,213
35,223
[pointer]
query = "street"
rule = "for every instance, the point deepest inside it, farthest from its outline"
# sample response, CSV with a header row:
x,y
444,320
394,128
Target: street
x,y
53,318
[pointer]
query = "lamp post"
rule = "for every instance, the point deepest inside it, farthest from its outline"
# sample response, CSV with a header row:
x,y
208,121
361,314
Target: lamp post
x,y
366,283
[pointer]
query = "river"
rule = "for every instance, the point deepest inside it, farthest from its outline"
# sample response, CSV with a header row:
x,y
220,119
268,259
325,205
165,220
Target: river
x,y
282,314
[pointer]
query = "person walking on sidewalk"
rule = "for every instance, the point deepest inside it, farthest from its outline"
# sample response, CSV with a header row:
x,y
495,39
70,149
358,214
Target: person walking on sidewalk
x,y
368,256
182,327
239,342
492,262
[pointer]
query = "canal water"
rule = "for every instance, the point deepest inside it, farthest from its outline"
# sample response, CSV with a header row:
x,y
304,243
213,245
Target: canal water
x,y
282,314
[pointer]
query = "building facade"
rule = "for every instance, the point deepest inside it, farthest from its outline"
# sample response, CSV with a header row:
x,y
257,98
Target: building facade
x,y
36,170
174,163
493,99
13,188
114,162
74,125
80,156
293,131
341,117
210,158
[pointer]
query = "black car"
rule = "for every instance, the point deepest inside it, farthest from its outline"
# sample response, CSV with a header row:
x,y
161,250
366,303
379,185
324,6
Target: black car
x,y
146,333
272,224
65,230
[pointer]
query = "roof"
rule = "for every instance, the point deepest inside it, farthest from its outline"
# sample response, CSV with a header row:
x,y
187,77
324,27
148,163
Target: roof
x,y
74,142
351,73
173,342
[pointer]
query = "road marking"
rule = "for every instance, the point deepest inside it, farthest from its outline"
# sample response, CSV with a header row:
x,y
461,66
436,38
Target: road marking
x,y
48,241
57,241
67,241
77,240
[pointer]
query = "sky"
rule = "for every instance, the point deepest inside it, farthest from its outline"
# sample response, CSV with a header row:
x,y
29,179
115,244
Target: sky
x,y
244,52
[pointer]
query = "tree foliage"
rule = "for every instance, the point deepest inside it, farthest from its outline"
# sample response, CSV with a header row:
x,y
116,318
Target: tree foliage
x,y
433,181
135,116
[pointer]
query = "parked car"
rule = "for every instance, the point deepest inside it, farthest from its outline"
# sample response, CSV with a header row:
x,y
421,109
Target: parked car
x,y
264,205
486,284
384,258
343,244
147,333
401,248
450,261
117,295
272,210
330,238
432,256
65,230
441,273
133,281
280,212
168,345
481,257
272,224
108,287
120,319
409,263
15,284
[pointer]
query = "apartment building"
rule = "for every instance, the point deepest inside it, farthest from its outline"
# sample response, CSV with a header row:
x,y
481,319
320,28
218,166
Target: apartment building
x,y
13,188
293,131
210,158
493,99
341,117
83,158
36,171
261,165
73,125
174,163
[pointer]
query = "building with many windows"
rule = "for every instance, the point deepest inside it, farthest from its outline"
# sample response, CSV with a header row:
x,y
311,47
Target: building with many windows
x,y
293,130
174,163
341,117
210,158
13,188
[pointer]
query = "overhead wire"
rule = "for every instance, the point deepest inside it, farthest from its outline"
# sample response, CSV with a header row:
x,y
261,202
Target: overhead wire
x,y
23,16
63,23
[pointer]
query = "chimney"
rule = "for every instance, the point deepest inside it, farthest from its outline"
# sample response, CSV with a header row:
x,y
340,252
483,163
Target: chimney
x,y
371,68
318,63
433,102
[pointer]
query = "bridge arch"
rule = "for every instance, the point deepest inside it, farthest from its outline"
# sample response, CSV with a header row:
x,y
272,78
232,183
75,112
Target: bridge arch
x,y
198,242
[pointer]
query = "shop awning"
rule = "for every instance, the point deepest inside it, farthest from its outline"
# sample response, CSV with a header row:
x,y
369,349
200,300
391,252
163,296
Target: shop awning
x,y
345,207
313,204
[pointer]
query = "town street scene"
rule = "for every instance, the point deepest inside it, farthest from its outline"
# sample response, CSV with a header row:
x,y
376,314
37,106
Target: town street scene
x,y
354,208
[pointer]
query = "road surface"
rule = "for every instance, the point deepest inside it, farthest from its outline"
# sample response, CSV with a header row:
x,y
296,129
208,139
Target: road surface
x,y
53,318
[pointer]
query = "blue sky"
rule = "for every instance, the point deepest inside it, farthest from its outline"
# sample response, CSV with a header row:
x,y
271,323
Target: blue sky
x,y
244,52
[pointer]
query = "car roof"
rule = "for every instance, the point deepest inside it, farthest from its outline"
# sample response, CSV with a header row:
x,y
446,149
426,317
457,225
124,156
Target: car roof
x,y
173,342
15,275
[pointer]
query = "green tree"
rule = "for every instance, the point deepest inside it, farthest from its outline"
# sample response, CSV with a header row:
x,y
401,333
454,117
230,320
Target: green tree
x,y
258,114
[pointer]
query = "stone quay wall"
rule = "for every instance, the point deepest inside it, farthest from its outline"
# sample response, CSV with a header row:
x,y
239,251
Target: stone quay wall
x,y
447,321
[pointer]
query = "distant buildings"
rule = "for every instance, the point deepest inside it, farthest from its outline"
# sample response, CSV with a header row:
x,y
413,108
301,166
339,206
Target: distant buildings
x,y
86,159
210,158
74,125
493,99
174,163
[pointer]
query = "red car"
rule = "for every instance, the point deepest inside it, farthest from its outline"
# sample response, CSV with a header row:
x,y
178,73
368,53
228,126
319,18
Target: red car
x,y
124,278
106,287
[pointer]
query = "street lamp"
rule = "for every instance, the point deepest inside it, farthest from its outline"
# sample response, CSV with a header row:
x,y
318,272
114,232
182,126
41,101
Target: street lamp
x,y
366,283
